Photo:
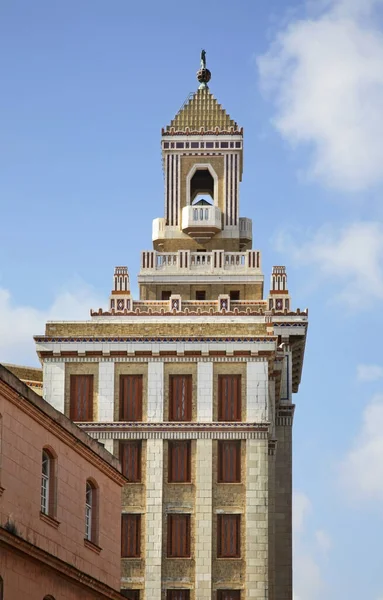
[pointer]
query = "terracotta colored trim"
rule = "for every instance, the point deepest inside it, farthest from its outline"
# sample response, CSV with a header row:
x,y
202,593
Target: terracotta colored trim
x,y
92,546
50,520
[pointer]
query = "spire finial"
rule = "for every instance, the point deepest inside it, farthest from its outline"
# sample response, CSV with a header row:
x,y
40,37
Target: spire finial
x,y
203,75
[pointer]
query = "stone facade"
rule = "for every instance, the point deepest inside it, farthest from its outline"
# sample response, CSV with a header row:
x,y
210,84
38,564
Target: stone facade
x,y
201,316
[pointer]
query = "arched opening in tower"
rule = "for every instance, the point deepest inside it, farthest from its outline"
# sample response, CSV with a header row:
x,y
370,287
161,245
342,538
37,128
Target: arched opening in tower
x,y
202,185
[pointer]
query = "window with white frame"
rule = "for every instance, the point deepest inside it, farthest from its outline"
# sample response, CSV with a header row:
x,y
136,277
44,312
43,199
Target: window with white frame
x,y
88,511
45,482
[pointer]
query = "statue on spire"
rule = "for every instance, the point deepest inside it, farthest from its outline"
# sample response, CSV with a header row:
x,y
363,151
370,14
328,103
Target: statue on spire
x,y
203,59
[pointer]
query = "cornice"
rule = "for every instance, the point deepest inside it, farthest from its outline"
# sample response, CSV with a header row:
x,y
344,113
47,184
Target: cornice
x,y
69,439
65,569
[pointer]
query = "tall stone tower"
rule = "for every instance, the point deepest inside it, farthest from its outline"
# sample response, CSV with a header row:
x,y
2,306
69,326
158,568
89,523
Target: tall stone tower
x,y
191,386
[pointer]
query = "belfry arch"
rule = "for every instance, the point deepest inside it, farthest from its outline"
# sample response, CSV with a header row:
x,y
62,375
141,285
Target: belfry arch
x,y
201,179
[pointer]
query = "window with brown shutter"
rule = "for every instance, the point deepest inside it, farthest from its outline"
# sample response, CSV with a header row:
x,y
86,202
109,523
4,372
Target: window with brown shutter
x,y
178,536
81,398
229,536
179,466
130,457
130,535
180,398
131,594
229,398
229,462
131,398
178,595
228,594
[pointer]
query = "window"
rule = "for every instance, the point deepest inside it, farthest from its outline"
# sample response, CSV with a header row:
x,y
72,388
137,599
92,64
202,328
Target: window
x,y
234,295
130,457
130,535
177,594
1,588
45,598
91,517
229,398
180,398
178,536
47,483
81,397
131,398
229,462
228,594
200,295
229,536
179,462
131,594
165,295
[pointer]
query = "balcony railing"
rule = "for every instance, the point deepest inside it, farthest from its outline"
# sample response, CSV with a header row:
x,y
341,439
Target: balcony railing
x,y
216,261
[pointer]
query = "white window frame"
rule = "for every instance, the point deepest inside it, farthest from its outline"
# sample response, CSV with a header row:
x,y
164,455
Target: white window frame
x,y
45,482
88,511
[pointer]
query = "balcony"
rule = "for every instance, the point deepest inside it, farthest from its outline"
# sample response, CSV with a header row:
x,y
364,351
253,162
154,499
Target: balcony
x,y
201,220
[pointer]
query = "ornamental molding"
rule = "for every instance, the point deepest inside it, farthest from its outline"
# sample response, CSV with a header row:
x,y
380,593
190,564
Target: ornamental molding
x,y
154,340
146,359
17,543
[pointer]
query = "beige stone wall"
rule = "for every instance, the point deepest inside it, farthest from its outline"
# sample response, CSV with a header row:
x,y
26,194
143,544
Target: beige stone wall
x,y
188,291
153,530
203,520
131,369
180,369
271,532
83,368
283,516
235,368
187,243
257,539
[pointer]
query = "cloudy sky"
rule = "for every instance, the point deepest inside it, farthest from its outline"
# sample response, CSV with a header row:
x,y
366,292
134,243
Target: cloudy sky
x,y
86,88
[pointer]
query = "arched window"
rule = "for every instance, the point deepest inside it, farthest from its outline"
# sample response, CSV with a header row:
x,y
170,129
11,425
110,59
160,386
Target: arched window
x,y
48,483
48,598
91,517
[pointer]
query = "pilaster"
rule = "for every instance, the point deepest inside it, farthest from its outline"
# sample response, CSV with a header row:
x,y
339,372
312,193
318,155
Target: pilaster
x,y
205,392
155,391
203,520
153,542
257,393
54,384
106,391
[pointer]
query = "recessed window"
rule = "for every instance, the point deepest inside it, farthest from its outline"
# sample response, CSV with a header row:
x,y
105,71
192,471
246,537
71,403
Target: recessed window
x,y
179,465
130,535
229,536
229,462
131,594
48,484
91,516
177,594
166,144
194,145
179,144
165,295
180,398
228,594
209,144
81,397
178,536
130,457
200,295
229,398
130,398
1,588
224,144
234,295
237,144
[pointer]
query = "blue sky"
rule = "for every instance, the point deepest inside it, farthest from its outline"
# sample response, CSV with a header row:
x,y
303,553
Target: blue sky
x,y
86,88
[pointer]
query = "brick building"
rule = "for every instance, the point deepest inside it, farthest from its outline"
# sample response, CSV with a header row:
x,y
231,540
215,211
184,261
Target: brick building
x,y
60,504
192,384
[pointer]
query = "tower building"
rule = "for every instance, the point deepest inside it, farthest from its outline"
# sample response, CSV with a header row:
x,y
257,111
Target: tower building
x,y
192,385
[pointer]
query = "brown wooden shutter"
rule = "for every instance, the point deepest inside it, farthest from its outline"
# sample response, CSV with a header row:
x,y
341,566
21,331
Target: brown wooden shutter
x,y
229,536
179,465
178,536
229,462
178,595
180,400
131,398
81,398
229,398
130,457
228,594
130,535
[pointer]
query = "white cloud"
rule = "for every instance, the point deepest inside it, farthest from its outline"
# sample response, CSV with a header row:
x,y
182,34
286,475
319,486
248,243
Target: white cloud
x,y
362,468
369,372
18,324
325,74
351,257
308,579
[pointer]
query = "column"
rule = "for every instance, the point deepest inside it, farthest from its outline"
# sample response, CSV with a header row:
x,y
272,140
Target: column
x,y
54,384
153,545
257,392
106,391
203,520
204,392
155,391
257,519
